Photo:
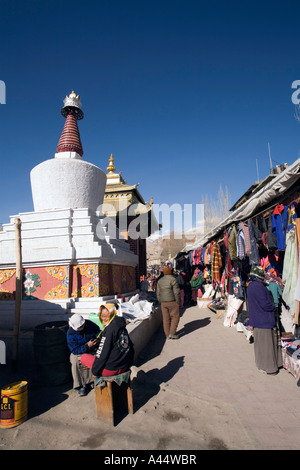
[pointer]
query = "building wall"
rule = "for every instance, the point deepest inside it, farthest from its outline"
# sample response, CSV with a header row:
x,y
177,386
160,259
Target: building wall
x,y
62,282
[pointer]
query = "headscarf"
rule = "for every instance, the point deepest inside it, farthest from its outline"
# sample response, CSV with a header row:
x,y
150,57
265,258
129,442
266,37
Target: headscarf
x,y
112,310
76,321
258,272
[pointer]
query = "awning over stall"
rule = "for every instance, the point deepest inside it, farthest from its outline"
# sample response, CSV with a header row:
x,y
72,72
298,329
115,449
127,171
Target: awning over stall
x,y
262,199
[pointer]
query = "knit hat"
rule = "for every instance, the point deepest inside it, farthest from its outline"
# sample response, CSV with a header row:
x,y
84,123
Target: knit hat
x,y
258,272
76,321
167,270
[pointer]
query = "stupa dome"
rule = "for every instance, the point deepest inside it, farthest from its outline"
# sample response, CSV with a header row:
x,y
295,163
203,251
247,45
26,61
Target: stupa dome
x,y
67,181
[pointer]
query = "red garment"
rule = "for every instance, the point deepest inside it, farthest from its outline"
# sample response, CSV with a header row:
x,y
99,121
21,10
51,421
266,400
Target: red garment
x,y
264,238
278,209
226,239
88,361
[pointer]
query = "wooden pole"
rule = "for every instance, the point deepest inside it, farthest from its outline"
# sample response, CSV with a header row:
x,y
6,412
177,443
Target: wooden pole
x,y
18,301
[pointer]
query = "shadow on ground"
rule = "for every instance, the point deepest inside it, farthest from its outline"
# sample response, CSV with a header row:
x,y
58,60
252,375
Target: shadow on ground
x,y
147,384
193,325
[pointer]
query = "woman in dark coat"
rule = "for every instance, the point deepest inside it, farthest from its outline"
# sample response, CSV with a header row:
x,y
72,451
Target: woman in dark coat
x,y
115,351
261,311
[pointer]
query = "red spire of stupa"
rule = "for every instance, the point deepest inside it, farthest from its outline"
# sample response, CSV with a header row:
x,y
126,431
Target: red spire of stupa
x,y
70,137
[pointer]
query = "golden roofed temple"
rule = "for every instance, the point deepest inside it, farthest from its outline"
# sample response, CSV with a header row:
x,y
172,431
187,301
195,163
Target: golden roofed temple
x,y
121,199
117,190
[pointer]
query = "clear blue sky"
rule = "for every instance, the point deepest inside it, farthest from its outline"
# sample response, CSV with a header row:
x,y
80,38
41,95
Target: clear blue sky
x,y
185,94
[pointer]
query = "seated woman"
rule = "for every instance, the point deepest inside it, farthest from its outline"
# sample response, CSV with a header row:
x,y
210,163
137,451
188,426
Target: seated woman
x,y
115,351
81,338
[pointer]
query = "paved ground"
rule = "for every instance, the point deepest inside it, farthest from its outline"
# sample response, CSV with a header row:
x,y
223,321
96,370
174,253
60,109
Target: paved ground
x,y
202,391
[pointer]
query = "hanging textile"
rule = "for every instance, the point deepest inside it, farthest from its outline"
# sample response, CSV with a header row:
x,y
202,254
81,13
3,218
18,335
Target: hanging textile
x,y
279,224
271,276
259,228
232,244
292,216
207,257
236,285
240,242
254,254
289,273
271,237
216,262
245,229
233,306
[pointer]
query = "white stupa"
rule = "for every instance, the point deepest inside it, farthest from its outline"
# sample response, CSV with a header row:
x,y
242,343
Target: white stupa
x,y
70,261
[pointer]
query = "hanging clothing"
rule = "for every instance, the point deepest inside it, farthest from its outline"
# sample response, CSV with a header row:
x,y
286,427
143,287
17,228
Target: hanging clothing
x,y
240,242
271,237
279,225
216,262
226,240
271,276
260,228
236,287
207,257
264,239
290,272
254,254
232,244
297,288
233,306
276,292
245,229
292,215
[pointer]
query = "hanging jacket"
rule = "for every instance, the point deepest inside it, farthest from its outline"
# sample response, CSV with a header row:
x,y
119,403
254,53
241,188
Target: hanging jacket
x,y
271,237
245,229
259,228
279,224
240,242
254,254
232,244
275,291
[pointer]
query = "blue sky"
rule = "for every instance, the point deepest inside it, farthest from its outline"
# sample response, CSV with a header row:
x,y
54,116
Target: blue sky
x,y
185,94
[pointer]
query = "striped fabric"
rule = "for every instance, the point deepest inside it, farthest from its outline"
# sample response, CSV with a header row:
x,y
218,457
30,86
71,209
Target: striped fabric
x,y
216,262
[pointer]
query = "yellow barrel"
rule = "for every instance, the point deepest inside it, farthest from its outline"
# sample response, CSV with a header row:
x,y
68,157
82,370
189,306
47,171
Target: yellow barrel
x,y
14,404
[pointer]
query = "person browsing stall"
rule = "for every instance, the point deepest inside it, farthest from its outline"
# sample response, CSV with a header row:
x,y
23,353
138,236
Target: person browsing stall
x,y
261,308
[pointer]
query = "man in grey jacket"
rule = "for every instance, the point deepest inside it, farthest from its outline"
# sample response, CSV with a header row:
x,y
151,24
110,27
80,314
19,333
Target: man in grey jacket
x,y
168,295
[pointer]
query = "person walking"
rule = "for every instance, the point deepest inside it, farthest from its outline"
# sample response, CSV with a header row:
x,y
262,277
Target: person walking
x,y
168,295
261,309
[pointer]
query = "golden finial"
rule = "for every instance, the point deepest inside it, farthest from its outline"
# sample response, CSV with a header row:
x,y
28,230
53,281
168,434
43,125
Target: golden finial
x,y
111,167
73,95
150,203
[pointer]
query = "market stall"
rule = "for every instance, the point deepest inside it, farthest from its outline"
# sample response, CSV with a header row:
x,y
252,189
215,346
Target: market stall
x,y
264,232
